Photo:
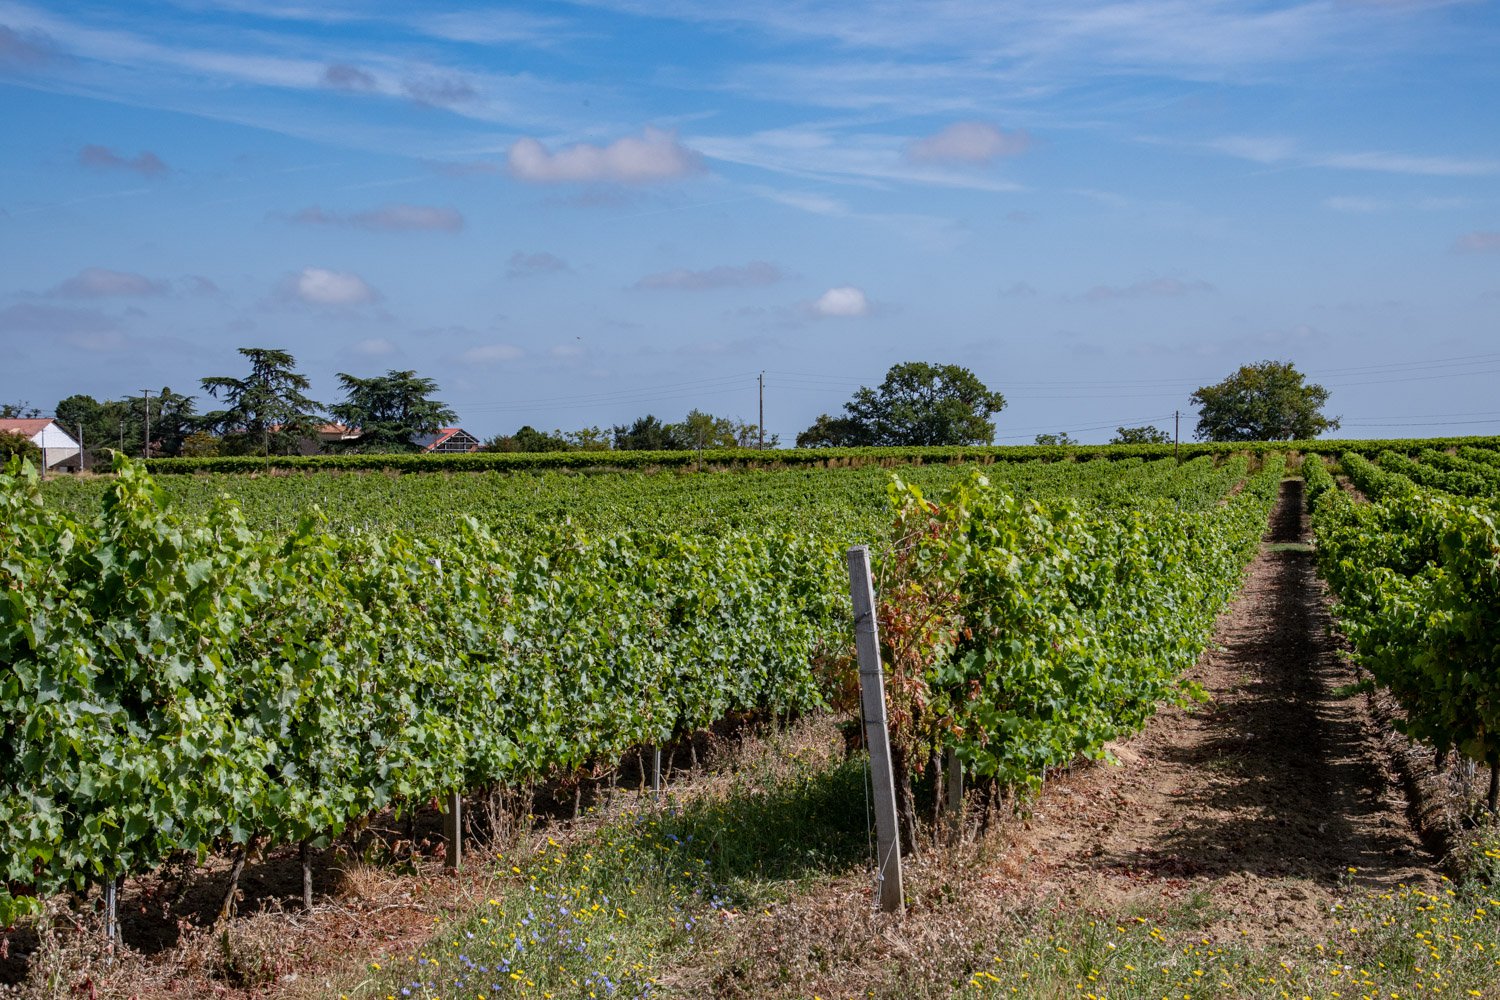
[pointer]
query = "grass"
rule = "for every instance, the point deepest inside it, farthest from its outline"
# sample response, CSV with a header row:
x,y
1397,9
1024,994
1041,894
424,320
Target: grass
x,y
753,884
605,913
1406,942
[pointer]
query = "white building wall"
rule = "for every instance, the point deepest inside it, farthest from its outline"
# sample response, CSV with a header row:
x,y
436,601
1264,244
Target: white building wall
x,y
57,445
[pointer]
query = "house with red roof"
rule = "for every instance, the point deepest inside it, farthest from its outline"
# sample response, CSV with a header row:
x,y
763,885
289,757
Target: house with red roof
x,y
448,441
60,452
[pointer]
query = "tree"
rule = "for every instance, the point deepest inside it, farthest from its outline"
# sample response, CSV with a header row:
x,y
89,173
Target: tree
x,y
391,411
528,439
648,434
199,444
918,404
266,411
833,432
18,411
1060,438
13,444
1140,435
1263,402
704,430
121,423
172,420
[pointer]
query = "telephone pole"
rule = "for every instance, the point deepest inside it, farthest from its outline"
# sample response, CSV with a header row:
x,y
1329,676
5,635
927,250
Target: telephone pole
x,y
146,445
1176,434
761,425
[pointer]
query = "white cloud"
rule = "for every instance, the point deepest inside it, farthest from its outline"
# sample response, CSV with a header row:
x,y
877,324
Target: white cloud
x,y
101,282
388,218
321,287
756,274
968,142
492,354
1257,148
843,301
655,155
566,352
374,347
1477,242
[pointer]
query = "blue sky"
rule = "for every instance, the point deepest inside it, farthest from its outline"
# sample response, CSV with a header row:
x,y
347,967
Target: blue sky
x,y
576,213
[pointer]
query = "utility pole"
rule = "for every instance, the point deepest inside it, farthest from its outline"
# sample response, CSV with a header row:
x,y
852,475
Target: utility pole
x,y
146,445
82,450
1176,434
761,426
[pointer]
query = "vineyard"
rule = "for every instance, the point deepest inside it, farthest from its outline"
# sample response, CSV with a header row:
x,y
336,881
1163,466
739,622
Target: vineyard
x,y
217,664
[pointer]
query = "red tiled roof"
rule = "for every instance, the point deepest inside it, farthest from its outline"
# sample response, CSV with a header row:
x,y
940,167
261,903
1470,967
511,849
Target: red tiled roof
x,y
30,426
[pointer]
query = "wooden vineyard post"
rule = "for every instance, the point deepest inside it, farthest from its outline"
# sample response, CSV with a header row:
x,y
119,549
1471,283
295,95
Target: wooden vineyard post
x,y
453,830
872,702
955,803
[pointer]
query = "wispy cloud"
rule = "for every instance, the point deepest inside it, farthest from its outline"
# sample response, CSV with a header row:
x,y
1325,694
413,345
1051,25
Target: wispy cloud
x,y
342,76
1478,242
25,50
101,282
654,155
1421,166
522,264
389,218
375,347
1168,288
1271,150
145,163
444,90
31,318
1355,205
863,159
968,142
756,274
492,354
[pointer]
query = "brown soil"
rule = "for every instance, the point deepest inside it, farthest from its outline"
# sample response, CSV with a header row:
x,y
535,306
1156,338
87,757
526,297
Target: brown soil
x,y
1265,796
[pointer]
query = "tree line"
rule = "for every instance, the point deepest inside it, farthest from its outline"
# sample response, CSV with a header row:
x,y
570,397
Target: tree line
x,y
266,411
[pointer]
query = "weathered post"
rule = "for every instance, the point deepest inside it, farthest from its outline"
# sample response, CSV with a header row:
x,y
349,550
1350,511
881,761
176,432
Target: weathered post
x,y
453,830
872,701
955,803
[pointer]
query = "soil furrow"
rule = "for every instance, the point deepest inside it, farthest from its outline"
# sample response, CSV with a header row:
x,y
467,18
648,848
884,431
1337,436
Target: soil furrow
x,y
1267,794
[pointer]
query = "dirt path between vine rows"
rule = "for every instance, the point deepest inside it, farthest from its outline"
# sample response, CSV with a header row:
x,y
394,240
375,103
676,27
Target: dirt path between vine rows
x,y
1264,797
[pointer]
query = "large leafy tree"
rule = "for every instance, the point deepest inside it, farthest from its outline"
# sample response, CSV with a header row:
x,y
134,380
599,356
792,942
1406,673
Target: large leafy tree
x,y
1269,401
1145,434
390,410
648,434
267,411
916,404
13,444
121,423
833,432
528,438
